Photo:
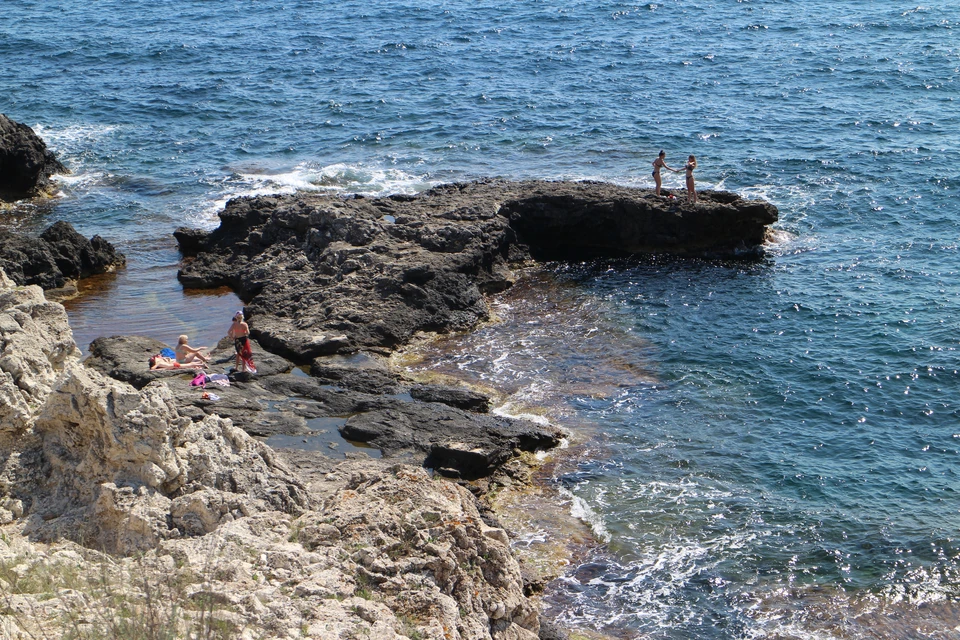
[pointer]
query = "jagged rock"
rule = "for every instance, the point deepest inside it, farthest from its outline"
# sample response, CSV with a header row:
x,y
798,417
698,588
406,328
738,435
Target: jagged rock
x,y
58,255
367,549
454,442
325,274
459,398
25,162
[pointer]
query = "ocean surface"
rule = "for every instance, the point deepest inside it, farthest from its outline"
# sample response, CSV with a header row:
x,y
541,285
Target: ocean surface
x,y
767,449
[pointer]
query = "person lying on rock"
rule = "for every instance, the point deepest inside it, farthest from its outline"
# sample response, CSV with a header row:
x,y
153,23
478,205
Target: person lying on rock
x,y
163,362
187,354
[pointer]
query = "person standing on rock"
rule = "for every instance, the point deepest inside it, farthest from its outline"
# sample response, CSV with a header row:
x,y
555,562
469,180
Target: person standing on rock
x,y
239,332
691,188
660,163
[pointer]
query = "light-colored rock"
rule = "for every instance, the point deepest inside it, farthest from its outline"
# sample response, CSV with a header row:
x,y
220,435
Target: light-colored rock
x,y
199,512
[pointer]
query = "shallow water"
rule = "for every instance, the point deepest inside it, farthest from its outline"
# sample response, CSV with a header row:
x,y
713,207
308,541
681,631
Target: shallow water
x,y
776,441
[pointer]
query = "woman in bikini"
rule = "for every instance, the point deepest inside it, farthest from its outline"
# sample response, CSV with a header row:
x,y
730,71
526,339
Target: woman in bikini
x,y
239,331
187,354
691,189
658,164
163,362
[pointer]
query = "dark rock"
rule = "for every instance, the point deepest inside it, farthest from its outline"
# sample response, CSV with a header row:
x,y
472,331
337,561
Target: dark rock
x,y
326,275
585,220
28,260
58,255
77,257
280,402
25,162
191,241
331,401
451,441
459,398
366,376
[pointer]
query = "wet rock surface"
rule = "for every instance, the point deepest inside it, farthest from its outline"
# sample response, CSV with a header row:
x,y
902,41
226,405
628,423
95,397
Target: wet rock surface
x,y
57,256
326,274
25,162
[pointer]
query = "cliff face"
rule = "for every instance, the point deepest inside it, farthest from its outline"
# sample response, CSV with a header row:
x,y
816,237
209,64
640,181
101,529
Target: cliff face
x,y
325,274
198,511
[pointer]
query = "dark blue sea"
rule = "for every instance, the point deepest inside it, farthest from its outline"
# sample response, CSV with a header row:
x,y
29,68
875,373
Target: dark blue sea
x,y
765,449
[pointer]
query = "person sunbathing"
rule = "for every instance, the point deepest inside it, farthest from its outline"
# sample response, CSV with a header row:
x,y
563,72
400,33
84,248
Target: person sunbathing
x,y
163,362
187,354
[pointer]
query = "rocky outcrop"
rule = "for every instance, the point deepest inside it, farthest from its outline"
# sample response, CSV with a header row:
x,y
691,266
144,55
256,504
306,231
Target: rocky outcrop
x,y
390,554
325,274
89,458
57,256
25,162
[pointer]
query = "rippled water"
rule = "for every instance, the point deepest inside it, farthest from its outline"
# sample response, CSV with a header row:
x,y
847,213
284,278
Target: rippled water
x,y
774,444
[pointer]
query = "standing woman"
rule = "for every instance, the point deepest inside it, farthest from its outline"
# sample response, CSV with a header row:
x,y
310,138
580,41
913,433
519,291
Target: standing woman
x,y
691,189
660,164
239,331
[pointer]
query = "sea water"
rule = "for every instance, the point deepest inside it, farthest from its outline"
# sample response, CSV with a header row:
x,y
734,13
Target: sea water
x,y
773,445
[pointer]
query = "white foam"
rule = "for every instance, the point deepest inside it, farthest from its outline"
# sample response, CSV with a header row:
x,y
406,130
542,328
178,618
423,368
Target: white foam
x,y
510,410
77,137
310,177
582,511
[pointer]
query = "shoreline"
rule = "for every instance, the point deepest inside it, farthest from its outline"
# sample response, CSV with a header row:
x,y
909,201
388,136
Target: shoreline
x,y
469,252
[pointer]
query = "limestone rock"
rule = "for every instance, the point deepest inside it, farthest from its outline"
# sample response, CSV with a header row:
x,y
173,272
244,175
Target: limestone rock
x,y
35,346
88,457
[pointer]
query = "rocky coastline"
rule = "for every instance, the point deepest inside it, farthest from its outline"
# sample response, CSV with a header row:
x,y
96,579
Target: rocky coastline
x,y
110,468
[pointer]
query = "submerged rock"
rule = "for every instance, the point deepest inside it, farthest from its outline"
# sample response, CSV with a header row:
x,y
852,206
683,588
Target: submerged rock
x,y
25,162
325,274
58,255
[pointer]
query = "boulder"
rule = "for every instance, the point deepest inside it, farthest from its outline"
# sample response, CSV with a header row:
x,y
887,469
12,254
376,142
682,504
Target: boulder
x,y
453,442
59,255
25,162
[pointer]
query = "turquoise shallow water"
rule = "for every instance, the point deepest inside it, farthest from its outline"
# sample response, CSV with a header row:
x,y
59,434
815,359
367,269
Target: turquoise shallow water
x,y
779,440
